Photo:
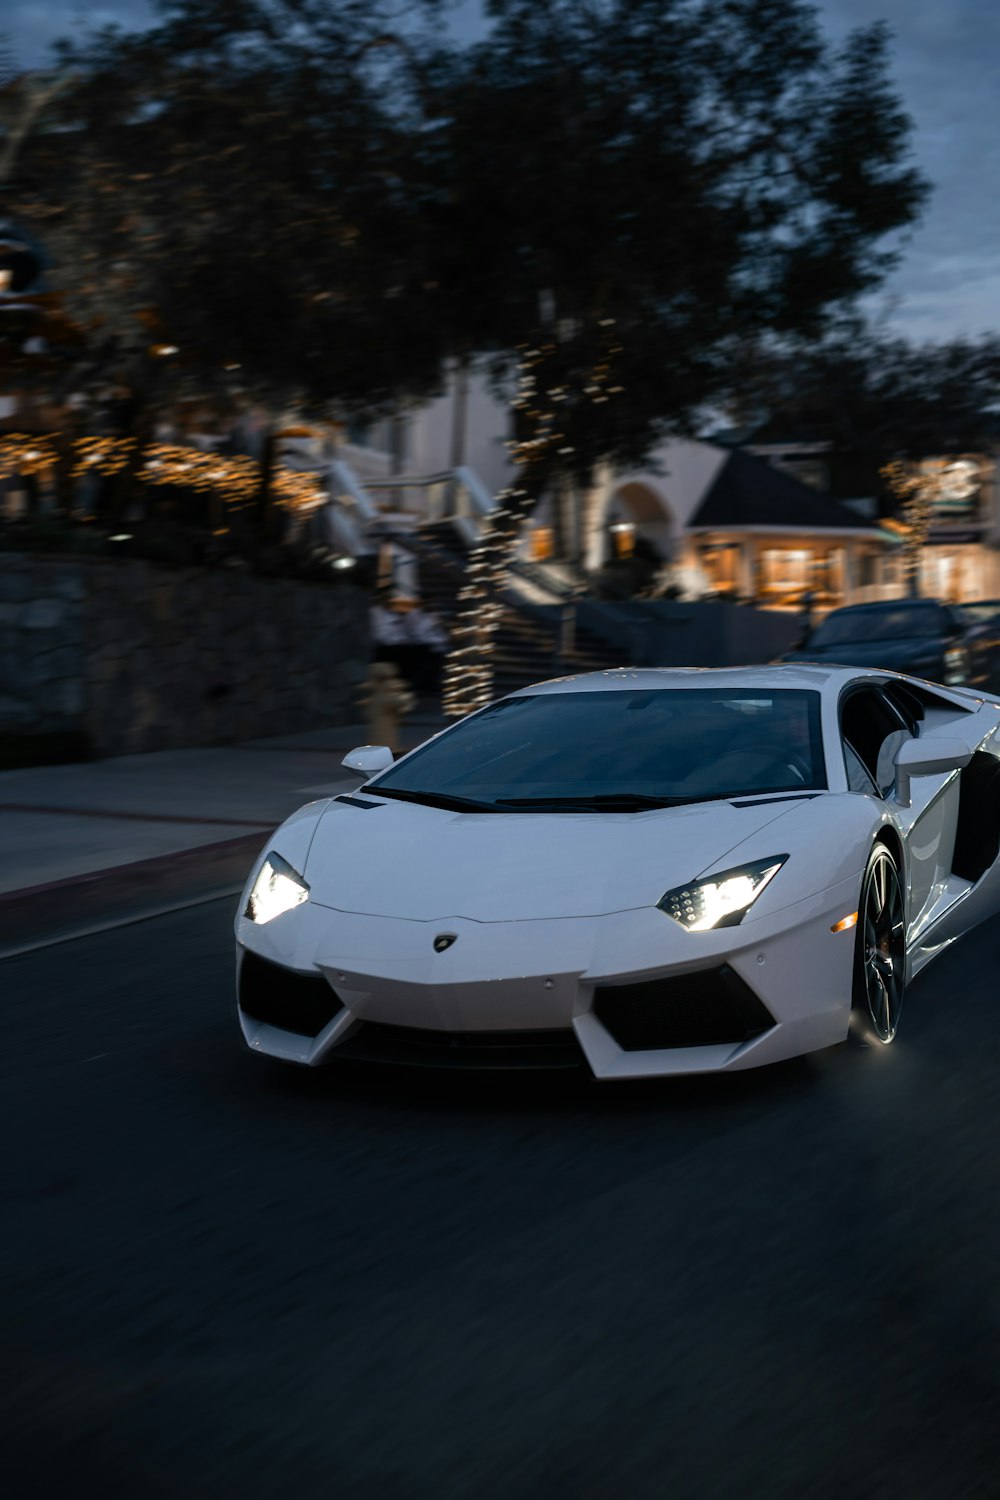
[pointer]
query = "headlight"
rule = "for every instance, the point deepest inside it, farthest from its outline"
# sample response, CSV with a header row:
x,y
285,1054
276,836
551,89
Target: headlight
x,y
277,889
720,900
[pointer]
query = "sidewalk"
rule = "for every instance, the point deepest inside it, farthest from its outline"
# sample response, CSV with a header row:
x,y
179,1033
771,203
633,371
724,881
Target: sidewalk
x,y
87,846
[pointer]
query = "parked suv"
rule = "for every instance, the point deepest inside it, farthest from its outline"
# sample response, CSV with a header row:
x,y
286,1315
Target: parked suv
x,y
920,636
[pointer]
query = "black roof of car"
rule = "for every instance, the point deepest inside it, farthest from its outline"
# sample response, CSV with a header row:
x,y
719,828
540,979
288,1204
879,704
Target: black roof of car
x,y
881,604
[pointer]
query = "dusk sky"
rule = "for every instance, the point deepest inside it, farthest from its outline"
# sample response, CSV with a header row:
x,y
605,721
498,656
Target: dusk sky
x,y
946,67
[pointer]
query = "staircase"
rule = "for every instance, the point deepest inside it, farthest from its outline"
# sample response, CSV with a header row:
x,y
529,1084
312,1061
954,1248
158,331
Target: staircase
x,y
527,640
529,644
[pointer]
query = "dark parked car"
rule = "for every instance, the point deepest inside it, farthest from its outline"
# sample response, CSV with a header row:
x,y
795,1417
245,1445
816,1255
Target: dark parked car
x,y
984,613
920,636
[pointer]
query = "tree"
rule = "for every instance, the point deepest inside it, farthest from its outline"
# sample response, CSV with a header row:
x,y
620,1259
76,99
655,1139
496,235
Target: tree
x,y
294,186
604,198
685,173
229,219
874,400
698,169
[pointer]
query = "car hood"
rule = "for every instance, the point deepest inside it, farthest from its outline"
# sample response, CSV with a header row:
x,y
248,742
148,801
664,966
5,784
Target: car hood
x,y
402,859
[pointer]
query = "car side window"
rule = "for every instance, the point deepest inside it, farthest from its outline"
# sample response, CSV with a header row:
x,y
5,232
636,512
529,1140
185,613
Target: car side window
x,y
858,779
875,729
907,703
885,767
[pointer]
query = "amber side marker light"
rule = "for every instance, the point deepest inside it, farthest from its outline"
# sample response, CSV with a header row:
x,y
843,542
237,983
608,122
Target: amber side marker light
x,y
845,923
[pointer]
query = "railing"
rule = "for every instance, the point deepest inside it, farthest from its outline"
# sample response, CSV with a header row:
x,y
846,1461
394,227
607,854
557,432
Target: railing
x,y
560,627
355,523
543,580
457,495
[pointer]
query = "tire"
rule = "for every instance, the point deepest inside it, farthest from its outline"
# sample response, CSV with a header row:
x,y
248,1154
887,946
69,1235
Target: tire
x,y
879,952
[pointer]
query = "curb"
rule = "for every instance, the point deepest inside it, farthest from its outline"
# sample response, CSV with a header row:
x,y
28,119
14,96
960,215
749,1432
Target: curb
x,y
101,899
98,900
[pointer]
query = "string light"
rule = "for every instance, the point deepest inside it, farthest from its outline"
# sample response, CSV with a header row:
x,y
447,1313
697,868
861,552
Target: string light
x,y
22,453
468,678
914,493
235,480
101,455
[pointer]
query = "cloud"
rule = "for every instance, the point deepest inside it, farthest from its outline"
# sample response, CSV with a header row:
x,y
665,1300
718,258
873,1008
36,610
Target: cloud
x,y
944,65
33,25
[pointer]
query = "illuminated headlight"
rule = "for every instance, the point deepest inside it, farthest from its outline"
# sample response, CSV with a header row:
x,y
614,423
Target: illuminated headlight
x,y
720,900
277,889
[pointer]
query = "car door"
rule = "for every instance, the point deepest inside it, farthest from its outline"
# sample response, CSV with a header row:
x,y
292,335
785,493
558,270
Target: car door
x,y
875,722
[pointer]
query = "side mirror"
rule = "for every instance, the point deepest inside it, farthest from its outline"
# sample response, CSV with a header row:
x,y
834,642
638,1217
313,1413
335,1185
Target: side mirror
x,y
927,757
368,760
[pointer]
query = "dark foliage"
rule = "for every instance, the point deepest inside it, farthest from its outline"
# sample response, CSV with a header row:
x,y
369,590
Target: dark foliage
x,y
872,399
312,205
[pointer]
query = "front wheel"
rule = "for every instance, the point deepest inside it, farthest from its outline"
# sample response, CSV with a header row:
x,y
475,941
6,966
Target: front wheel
x,y
880,951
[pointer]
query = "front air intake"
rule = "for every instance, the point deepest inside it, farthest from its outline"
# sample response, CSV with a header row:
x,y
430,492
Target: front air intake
x,y
302,1003
708,1008
416,1047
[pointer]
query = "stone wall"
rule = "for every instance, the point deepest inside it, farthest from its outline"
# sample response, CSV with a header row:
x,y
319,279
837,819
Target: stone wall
x,y
136,657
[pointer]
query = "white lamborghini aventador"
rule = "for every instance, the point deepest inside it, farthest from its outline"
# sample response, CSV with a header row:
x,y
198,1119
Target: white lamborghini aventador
x,y
649,871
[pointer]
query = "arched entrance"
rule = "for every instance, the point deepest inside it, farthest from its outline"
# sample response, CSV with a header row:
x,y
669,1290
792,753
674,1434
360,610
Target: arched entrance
x,y
636,514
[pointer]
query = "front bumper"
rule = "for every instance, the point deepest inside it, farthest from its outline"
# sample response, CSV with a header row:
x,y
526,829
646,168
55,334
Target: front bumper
x,y
631,992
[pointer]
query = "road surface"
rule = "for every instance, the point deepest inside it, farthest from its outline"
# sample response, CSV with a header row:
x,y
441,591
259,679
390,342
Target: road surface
x,y
222,1277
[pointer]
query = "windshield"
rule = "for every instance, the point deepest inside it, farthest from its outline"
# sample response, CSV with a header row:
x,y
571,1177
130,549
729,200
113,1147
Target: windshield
x,y
904,622
982,613
618,751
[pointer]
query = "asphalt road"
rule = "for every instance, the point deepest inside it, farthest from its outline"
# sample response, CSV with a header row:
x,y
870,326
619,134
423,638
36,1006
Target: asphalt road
x,y
224,1278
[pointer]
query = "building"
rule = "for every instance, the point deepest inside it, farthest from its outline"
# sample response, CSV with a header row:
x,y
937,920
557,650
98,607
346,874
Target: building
x,y
721,522
730,525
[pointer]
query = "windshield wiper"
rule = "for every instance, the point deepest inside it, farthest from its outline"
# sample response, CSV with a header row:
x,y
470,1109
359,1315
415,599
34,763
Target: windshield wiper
x,y
434,799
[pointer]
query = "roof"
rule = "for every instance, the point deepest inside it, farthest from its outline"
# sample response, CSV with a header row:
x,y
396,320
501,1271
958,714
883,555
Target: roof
x,y
748,491
878,605
793,674
616,679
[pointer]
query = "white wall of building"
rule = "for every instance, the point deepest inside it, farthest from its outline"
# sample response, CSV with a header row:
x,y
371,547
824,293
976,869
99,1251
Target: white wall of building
x,y
447,432
442,436
676,480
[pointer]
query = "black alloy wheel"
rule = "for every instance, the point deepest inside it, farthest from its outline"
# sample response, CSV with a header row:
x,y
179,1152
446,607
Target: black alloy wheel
x,y
880,950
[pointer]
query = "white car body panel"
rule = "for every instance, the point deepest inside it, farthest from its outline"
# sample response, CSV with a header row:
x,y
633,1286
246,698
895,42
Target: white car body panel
x,y
548,910
293,840
564,865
